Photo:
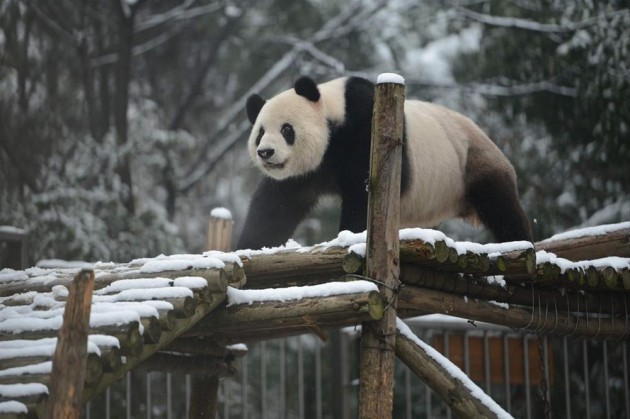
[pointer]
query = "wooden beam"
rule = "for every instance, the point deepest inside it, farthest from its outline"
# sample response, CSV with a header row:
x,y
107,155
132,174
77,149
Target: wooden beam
x,y
378,338
70,357
588,247
266,317
539,319
456,394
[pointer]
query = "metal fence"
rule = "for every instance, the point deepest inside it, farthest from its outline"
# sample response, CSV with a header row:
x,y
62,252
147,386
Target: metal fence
x,y
302,377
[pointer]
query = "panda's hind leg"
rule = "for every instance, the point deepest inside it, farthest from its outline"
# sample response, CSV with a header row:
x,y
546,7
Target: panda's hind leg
x,y
495,200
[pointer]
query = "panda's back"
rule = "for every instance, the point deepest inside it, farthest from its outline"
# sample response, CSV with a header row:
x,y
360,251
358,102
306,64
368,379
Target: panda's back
x,y
437,148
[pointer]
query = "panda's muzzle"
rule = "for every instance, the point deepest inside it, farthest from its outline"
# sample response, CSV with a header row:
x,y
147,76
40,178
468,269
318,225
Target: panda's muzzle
x,y
265,154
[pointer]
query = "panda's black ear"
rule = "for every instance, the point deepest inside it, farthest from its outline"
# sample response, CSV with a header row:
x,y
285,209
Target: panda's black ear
x,y
253,107
306,87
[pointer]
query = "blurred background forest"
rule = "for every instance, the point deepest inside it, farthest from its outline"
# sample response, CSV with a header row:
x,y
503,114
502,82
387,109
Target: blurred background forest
x,y
122,123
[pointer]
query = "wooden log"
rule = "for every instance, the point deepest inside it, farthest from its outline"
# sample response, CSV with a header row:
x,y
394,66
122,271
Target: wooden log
x,y
551,298
536,319
205,346
286,268
242,320
69,360
588,247
152,329
457,395
185,364
146,351
105,278
378,338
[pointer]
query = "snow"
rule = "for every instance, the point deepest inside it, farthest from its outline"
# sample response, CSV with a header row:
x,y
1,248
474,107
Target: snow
x,y
12,230
11,275
238,297
614,262
453,371
390,78
222,213
192,282
588,231
180,262
240,347
19,390
13,407
40,368
63,264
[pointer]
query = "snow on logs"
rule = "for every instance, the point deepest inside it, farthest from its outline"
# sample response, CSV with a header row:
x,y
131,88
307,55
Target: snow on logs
x,y
137,309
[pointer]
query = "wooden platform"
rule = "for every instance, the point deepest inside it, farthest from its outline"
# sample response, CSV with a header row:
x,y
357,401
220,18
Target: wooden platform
x,y
173,312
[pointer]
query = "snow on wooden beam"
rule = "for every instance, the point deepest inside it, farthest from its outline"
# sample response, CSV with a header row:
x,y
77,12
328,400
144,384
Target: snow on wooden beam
x,y
266,319
457,391
590,243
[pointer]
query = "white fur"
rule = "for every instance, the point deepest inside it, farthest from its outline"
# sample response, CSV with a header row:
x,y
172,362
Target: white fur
x,y
309,120
437,148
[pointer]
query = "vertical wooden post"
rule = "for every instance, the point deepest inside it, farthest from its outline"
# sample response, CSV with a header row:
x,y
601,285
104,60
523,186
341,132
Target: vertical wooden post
x,y
204,395
378,338
70,357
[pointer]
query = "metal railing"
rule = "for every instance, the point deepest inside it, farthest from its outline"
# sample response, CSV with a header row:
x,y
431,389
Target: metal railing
x,y
302,377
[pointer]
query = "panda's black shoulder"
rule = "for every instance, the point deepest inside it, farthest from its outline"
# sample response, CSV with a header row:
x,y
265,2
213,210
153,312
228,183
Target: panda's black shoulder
x,y
358,88
359,97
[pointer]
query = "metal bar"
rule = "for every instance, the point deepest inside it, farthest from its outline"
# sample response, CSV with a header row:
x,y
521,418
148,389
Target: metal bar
x,y
226,404
244,388
567,377
486,361
606,380
587,389
282,381
506,372
300,355
187,390
147,378
169,396
108,399
626,381
408,393
447,353
128,395
528,396
546,370
318,380
263,379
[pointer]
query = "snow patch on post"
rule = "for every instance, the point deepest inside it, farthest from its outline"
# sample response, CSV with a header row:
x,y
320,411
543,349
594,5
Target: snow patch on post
x,y
390,78
222,213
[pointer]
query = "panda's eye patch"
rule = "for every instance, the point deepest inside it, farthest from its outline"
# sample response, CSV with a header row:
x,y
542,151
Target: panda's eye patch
x,y
288,133
260,135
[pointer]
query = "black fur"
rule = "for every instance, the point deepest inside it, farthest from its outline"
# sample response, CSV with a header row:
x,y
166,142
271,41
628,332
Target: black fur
x,y
307,88
253,107
495,200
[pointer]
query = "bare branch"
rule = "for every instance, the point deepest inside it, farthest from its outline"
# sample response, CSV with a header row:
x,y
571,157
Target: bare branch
x,y
180,12
515,89
530,25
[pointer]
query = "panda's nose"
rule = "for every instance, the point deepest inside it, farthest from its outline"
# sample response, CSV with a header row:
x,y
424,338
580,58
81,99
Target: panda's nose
x,y
265,153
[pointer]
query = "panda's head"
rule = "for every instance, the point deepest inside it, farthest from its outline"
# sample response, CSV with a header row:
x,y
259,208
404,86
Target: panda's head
x,y
290,132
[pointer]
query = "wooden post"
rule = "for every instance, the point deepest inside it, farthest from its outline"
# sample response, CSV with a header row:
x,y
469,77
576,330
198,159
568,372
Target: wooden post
x,y
70,357
205,388
378,338
220,230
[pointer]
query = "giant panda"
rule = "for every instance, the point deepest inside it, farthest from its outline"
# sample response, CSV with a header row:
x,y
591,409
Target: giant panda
x,y
314,140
